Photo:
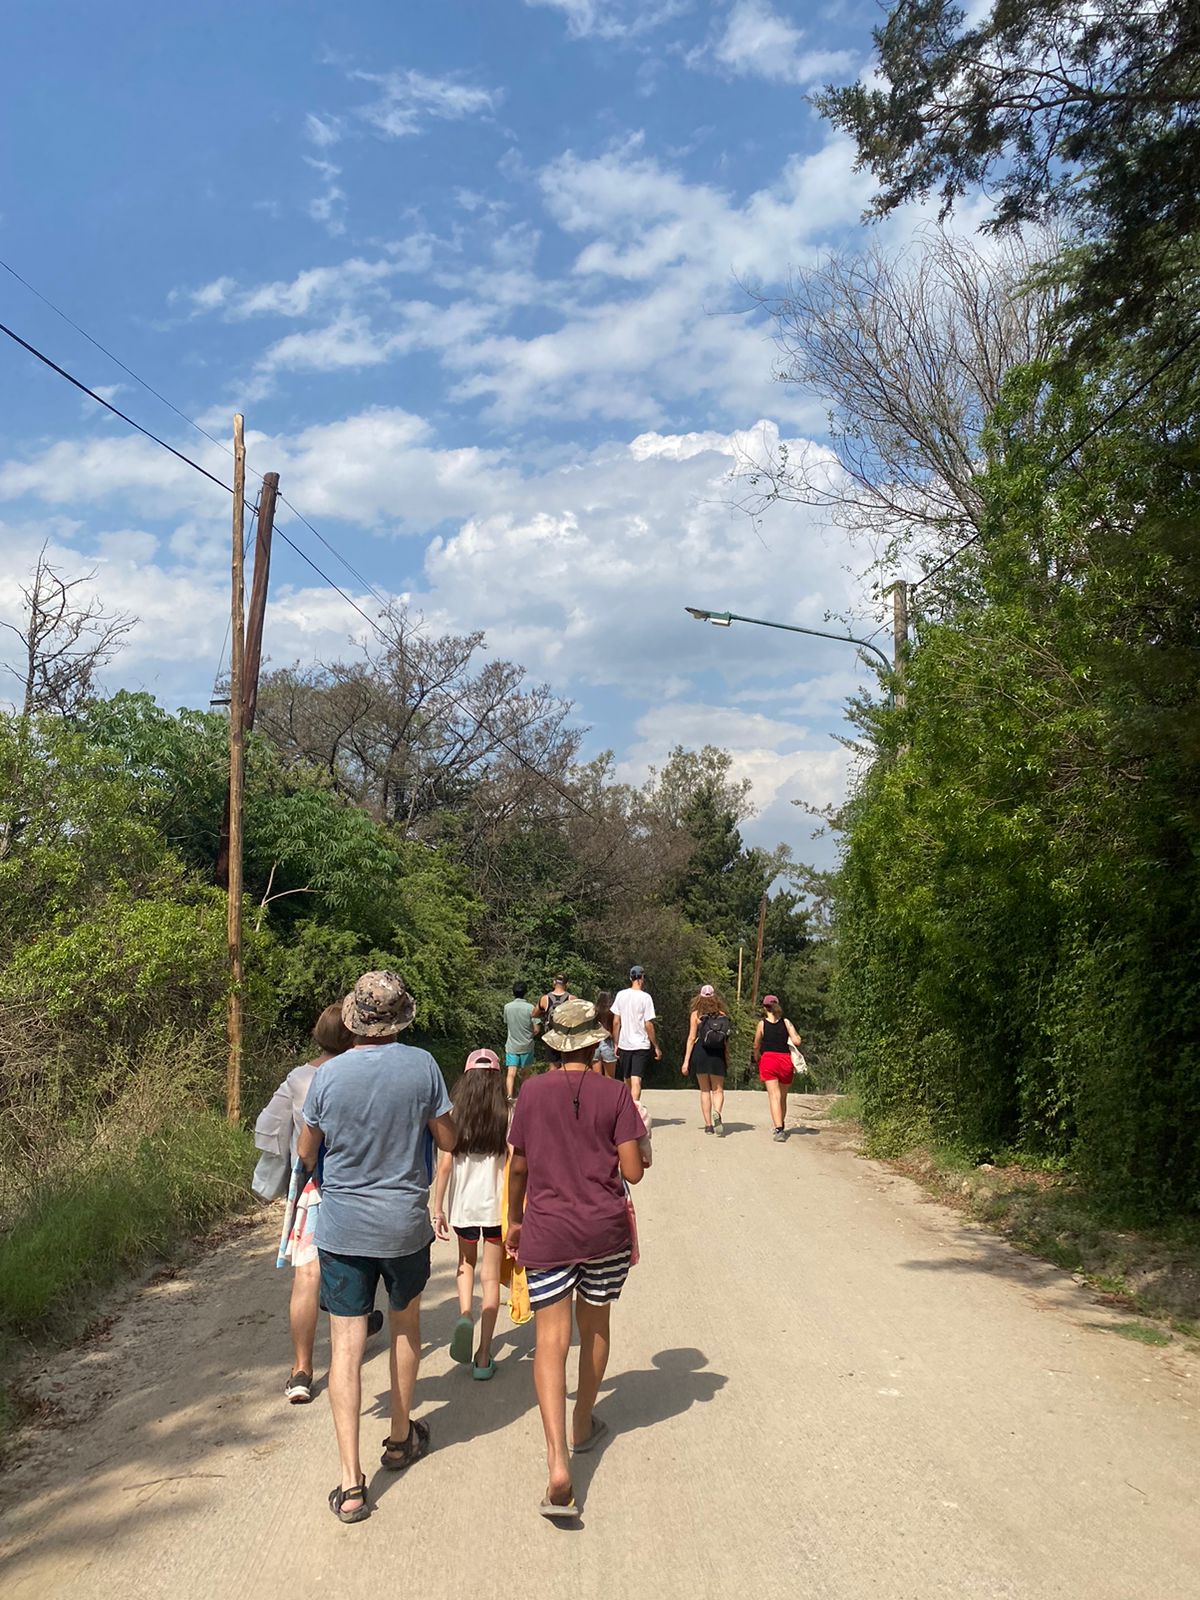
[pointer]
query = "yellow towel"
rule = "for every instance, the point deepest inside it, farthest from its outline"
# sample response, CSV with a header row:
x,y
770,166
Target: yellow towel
x,y
519,1308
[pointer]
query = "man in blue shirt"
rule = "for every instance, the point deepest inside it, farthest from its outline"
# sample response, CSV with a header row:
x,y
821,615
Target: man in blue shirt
x,y
373,1115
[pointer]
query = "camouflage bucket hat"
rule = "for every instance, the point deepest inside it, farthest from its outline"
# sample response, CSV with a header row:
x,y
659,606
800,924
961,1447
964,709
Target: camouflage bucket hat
x,y
574,1028
378,1005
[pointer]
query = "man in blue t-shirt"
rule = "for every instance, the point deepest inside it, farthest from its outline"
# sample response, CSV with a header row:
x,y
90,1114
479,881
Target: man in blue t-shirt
x,y
373,1116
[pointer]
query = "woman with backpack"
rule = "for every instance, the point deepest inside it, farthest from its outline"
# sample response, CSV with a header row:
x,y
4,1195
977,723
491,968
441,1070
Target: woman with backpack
x,y
705,1055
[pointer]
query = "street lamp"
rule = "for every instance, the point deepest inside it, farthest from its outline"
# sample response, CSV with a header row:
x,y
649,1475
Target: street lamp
x,y
726,619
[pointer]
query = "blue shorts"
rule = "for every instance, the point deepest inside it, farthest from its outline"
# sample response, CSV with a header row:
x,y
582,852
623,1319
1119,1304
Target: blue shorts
x,y
525,1060
348,1283
597,1282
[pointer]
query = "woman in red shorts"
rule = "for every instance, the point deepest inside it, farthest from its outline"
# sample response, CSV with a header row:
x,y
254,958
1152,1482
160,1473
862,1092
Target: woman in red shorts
x,y
772,1039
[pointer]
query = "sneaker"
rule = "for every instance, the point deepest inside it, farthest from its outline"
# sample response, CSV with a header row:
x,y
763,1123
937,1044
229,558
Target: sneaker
x,y
374,1324
298,1389
708,1127
779,1136
718,1127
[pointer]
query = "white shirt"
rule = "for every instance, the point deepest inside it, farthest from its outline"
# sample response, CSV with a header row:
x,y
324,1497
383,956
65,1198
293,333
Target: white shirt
x,y
474,1198
635,1009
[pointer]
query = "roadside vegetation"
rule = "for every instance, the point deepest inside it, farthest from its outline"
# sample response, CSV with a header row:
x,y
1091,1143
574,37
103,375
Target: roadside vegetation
x,y
1017,914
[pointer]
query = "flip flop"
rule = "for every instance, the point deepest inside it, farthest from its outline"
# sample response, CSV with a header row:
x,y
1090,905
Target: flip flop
x,y
462,1340
553,1513
599,1431
482,1374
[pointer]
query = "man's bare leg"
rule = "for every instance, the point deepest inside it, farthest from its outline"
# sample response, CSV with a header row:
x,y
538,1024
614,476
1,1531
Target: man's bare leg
x,y
303,1311
593,1359
635,1088
347,1340
406,1358
553,1325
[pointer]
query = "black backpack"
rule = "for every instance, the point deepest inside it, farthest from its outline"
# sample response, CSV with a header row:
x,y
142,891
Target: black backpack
x,y
553,1001
714,1031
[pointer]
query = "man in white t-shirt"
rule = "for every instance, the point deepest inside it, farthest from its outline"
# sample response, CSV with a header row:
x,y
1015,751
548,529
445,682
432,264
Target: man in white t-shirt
x,y
633,1031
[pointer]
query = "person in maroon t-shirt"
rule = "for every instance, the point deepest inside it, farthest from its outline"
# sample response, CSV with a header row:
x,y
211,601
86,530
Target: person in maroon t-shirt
x,y
574,1137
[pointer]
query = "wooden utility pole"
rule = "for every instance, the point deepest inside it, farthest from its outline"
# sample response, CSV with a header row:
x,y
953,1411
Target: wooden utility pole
x,y
258,596
758,949
899,634
741,953
237,776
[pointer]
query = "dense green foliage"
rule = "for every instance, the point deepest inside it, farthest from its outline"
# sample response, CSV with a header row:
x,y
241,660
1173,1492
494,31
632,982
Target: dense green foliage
x,y
1018,909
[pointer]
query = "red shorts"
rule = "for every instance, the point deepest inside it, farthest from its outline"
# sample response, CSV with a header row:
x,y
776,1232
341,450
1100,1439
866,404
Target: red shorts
x,y
775,1066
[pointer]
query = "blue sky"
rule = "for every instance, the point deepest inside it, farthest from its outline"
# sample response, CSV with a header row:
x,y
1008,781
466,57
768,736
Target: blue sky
x,y
477,275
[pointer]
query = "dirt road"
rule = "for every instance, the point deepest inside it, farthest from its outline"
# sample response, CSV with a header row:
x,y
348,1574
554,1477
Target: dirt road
x,y
821,1385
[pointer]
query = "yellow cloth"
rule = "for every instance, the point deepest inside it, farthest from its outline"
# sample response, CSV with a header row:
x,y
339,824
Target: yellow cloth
x,y
519,1308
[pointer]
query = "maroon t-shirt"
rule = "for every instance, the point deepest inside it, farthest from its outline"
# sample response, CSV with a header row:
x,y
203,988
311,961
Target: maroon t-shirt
x,y
575,1201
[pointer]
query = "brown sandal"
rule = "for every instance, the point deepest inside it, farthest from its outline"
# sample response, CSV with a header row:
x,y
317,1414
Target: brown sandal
x,y
400,1454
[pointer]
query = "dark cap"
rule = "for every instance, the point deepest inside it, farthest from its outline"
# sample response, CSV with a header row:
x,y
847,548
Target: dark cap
x,y
637,972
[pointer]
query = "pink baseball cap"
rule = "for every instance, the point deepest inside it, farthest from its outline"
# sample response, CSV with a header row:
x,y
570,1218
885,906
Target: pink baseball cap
x,y
482,1061
770,999
707,989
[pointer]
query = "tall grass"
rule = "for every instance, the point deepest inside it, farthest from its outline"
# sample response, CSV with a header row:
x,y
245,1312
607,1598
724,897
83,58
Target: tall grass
x,y
84,1228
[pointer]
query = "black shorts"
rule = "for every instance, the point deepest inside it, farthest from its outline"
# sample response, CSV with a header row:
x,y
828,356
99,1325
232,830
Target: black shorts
x,y
633,1063
348,1283
702,1062
473,1234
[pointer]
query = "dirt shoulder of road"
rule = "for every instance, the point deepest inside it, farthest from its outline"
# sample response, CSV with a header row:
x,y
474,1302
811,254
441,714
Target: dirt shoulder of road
x,y
1154,1272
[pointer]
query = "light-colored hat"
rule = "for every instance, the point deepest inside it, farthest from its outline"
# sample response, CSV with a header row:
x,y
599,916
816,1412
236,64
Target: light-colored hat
x,y
707,991
482,1061
378,1005
574,1028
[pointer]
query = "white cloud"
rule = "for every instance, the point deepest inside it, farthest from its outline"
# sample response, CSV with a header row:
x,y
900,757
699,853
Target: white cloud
x,y
613,19
756,41
322,131
326,206
407,99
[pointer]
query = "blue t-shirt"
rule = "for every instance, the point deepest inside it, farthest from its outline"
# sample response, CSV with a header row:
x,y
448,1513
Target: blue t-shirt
x,y
372,1110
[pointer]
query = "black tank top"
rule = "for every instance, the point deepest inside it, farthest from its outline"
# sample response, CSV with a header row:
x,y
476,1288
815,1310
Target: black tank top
x,y
775,1036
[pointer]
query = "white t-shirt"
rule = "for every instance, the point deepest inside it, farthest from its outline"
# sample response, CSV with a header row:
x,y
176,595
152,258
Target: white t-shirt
x,y
474,1198
635,1009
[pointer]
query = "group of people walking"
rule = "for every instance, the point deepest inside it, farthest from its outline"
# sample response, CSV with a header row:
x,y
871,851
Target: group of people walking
x,y
530,1173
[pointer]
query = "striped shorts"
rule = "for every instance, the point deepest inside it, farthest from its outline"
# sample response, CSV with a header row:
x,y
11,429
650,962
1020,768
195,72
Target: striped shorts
x,y
597,1282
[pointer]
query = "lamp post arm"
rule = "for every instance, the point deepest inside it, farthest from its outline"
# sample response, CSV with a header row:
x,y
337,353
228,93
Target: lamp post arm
x,y
819,633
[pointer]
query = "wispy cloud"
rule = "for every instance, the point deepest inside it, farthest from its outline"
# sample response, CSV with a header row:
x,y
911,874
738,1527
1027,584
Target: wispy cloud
x,y
408,99
613,19
757,42
326,206
322,131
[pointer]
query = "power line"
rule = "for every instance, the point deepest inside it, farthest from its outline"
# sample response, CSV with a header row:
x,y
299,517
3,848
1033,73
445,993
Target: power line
x,y
183,416
1062,460
504,744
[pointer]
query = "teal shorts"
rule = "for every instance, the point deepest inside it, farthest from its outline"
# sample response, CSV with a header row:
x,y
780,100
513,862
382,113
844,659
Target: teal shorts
x,y
525,1060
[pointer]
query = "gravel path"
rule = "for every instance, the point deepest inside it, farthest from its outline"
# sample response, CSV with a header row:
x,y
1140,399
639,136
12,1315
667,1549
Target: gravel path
x,y
822,1384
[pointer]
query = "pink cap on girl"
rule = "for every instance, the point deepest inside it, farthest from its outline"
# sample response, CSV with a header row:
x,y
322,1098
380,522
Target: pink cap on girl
x,y
706,990
483,1060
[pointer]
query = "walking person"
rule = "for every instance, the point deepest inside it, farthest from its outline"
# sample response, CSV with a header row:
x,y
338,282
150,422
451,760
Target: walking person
x,y
575,1141
548,1004
772,1038
633,1032
706,1053
372,1108
518,1045
474,1176
606,1051
277,1131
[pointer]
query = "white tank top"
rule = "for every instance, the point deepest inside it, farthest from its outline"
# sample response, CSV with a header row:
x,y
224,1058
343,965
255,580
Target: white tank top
x,y
474,1200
